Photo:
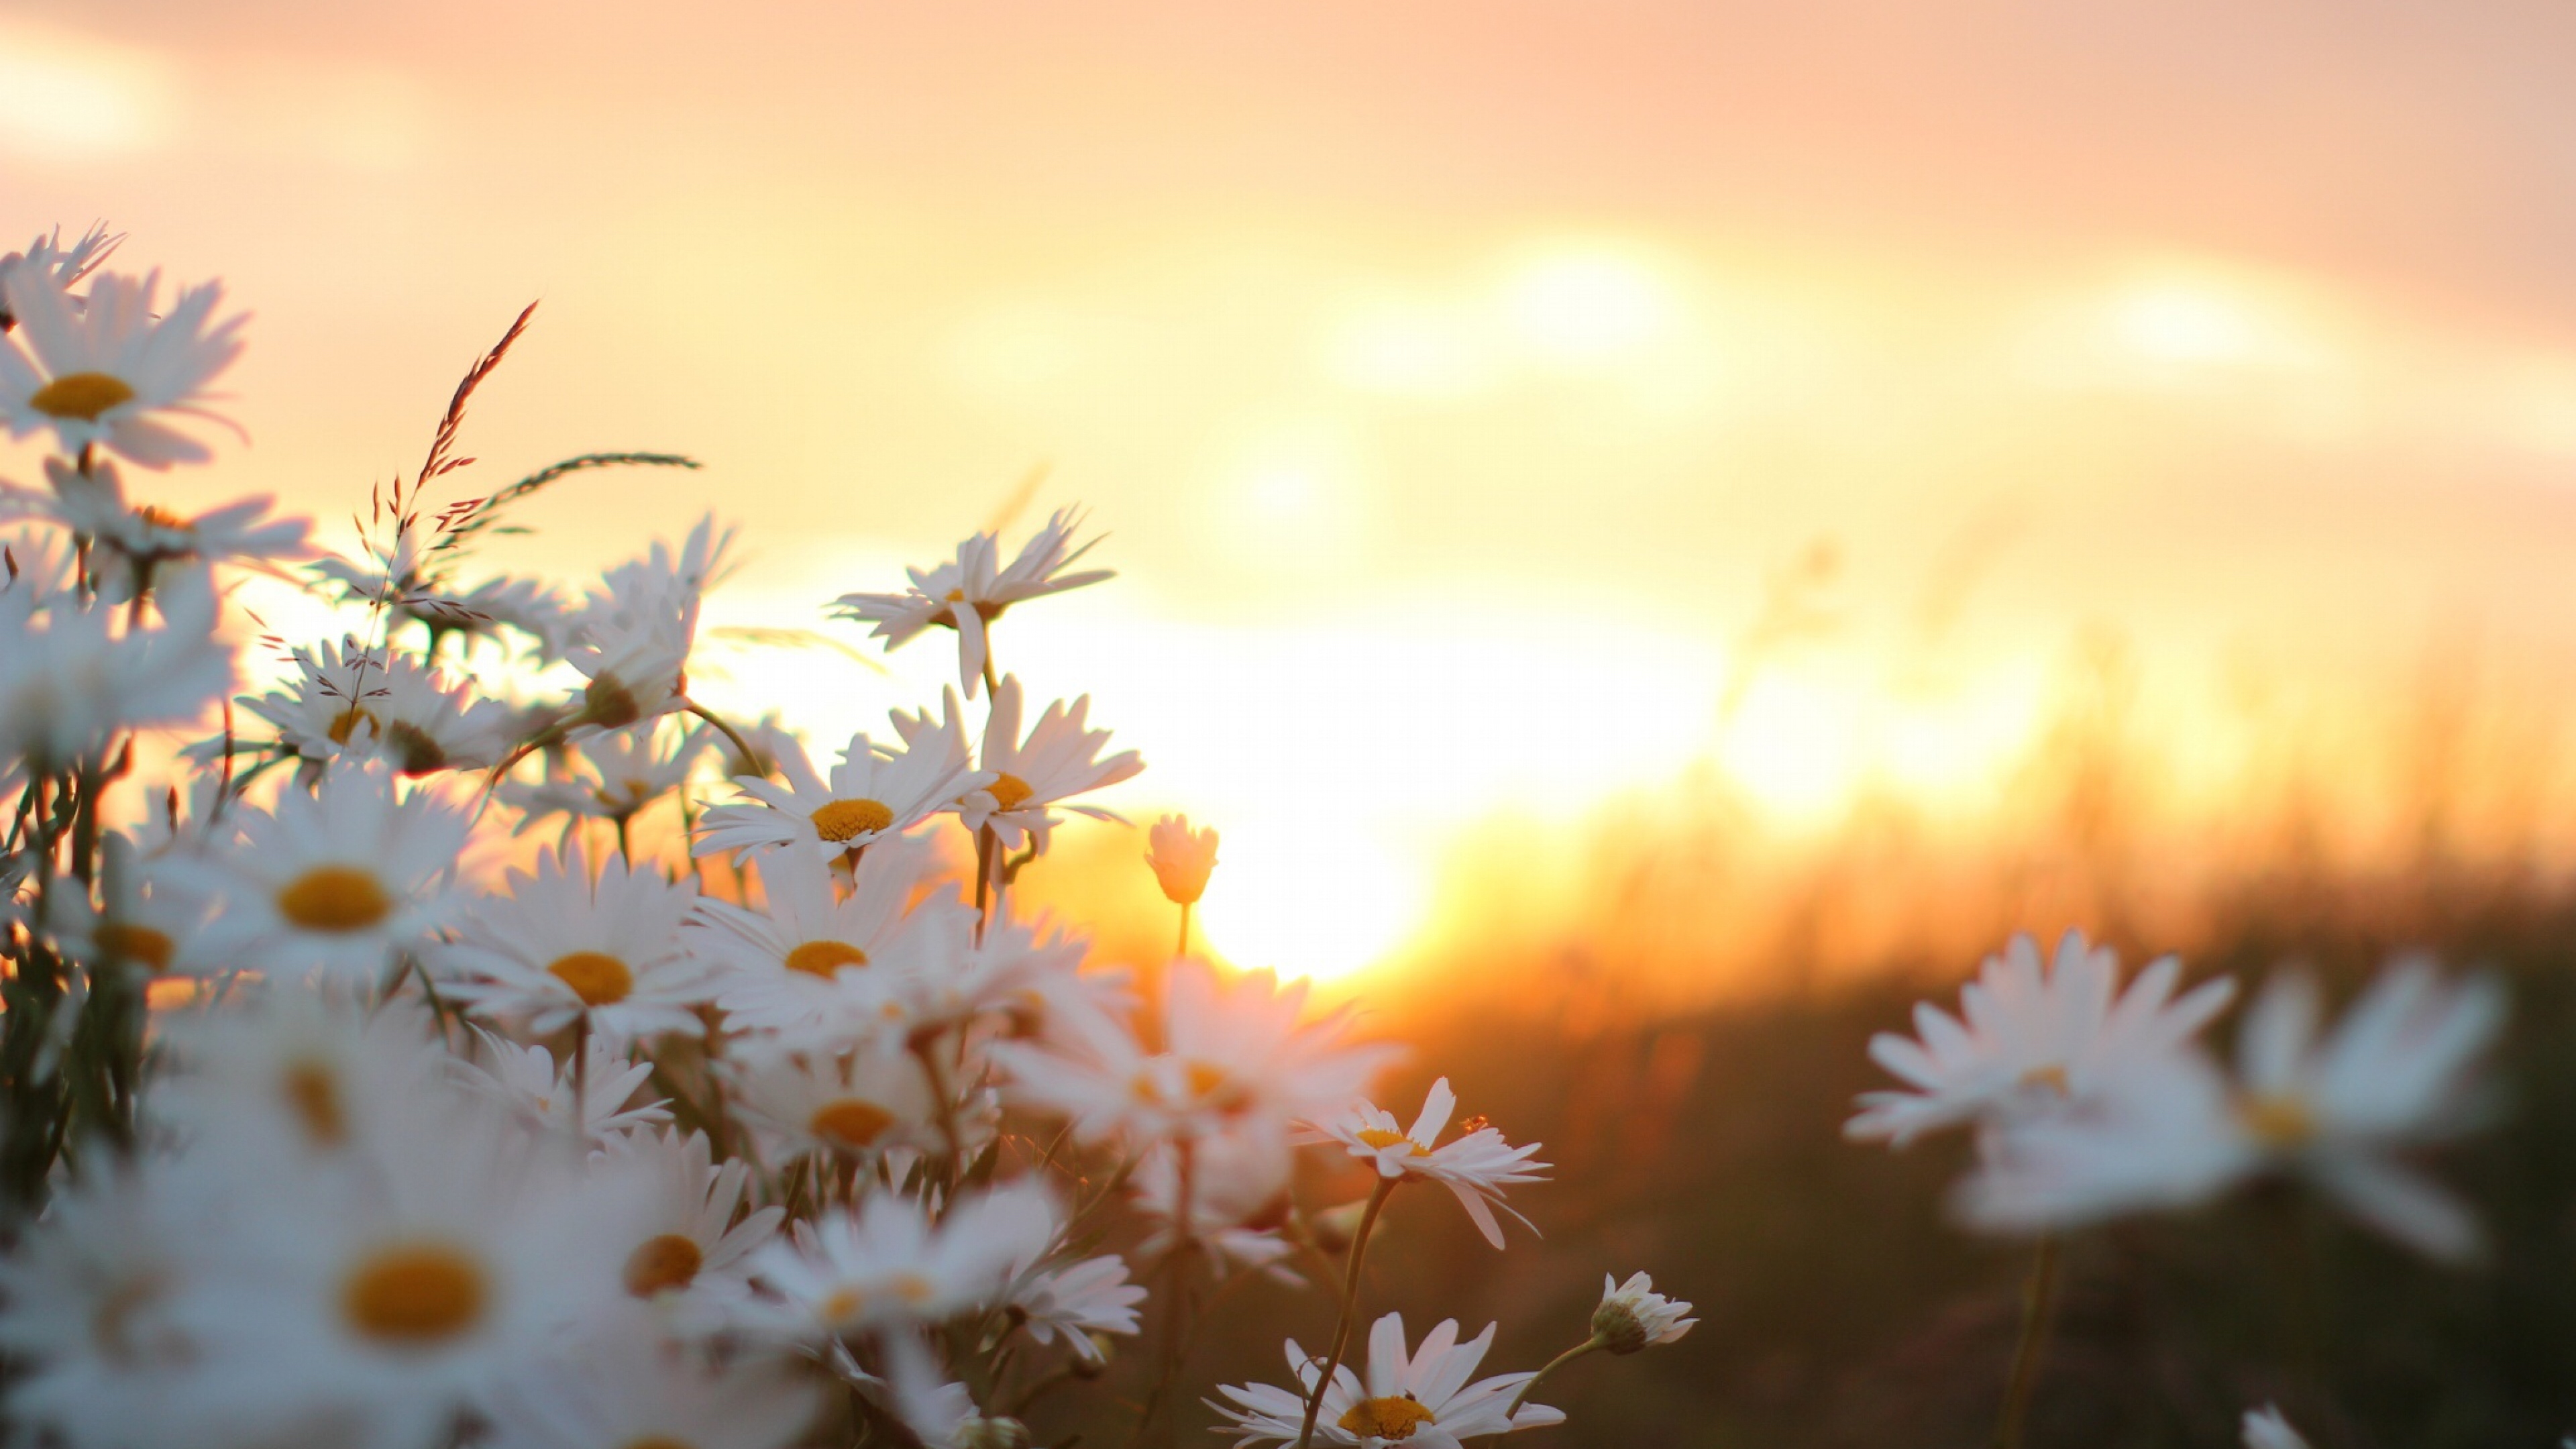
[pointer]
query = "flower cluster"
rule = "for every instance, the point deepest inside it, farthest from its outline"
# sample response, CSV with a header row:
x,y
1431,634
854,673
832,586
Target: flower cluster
x,y
741,1113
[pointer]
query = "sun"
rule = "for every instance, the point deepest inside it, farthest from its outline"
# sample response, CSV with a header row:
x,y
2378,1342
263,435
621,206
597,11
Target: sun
x,y
1311,900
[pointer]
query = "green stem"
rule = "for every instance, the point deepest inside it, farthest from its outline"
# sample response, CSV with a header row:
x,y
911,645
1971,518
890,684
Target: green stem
x,y
750,756
2038,1308
1350,1305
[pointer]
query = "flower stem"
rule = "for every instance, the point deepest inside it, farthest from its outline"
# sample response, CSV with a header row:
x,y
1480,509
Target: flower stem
x,y
750,756
1185,930
2038,1308
1350,1306
1558,1362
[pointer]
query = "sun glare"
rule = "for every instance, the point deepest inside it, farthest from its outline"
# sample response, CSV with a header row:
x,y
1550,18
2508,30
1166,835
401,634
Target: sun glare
x,y
1587,306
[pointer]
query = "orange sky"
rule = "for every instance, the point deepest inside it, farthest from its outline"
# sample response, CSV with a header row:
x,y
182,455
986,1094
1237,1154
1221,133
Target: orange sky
x,y
1451,376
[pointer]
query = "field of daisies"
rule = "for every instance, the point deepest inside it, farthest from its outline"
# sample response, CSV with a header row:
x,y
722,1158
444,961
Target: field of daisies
x,y
475,1040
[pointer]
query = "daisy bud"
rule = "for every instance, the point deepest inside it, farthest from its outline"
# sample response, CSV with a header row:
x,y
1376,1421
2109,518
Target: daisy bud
x,y
1182,858
1632,1316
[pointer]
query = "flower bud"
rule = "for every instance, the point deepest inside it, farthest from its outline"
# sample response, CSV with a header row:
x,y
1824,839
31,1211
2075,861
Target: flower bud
x,y
1182,858
1617,1326
1633,1315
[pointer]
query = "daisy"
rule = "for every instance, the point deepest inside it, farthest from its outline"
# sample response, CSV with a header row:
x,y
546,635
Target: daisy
x,y
568,944
1056,761
2033,1039
135,540
1633,1316
72,676
970,591
1182,858
886,1266
1238,1195
811,955
2266,1429
1233,1055
1423,1399
873,1098
336,880
870,795
613,775
103,372
1476,1166
2396,1074
349,697
538,1094
152,925
399,578
1079,1300
294,1077
1026,975
690,1258
632,639
628,1385
68,265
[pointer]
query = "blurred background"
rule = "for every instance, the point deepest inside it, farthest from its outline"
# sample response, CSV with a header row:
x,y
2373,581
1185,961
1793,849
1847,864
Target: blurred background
x,y
1653,526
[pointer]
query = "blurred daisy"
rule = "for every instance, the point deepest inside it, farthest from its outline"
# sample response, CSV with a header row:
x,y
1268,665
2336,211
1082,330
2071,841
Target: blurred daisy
x,y
870,795
135,540
970,591
612,775
538,1094
812,956
2397,1073
573,943
1058,760
71,675
2033,1038
156,927
1077,1300
336,880
869,1099
886,1266
399,576
2266,1429
1633,1316
1424,1399
292,1077
68,265
347,697
1182,858
1238,1195
1476,1166
689,1259
628,1385
633,636
106,371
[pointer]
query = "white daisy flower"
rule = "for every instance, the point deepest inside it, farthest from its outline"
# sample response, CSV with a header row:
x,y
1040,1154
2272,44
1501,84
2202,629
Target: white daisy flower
x,y
2266,1429
573,943
811,957
1633,1316
73,676
1234,1055
629,1385
1423,1400
294,1077
1077,1300
397,576
871,794
1182,858
1476,1166
68,265
1056,761
104,372
885,1266
1238,1194
2397,1073
154,926
2033,1038
691,1261
136,540
1028,975
870,1099
611,775
538,1094
970,591
632,639
336,880
348,697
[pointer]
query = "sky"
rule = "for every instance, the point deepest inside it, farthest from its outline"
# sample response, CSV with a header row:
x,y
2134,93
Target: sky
x,y
1494,410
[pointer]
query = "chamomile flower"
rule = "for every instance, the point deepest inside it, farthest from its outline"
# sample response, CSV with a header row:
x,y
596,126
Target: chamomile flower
x,y
1476,1166
293,1077
2033,1038
576,942
1423,1399
1058,760
1233,1054
970,591
633,636
526,1082
690,1260
1237,1194
134,540
107,371
2265,1428
870,794
867,1099
68,265
2397,1073
1182,858
349,698
336,880
72,675
611,775
886,1266
1633,1316
154,926
1077,1300
629,1385
812,957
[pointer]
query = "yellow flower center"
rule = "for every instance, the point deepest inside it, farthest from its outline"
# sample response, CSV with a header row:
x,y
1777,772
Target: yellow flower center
x,y
346,722
141,945
822,958
312,1093
841,820
609,704
82,395
334,898
2278,1122
160,517
841,1305
1394,1418
414,749
850,1122
598,978
663,1263
1380,1137
1202,1084
1008,791
912,1288
2052,1076
414,1296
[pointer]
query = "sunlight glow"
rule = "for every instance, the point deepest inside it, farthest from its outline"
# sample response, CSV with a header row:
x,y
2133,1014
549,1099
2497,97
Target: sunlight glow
x,y
67,97
1586,306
